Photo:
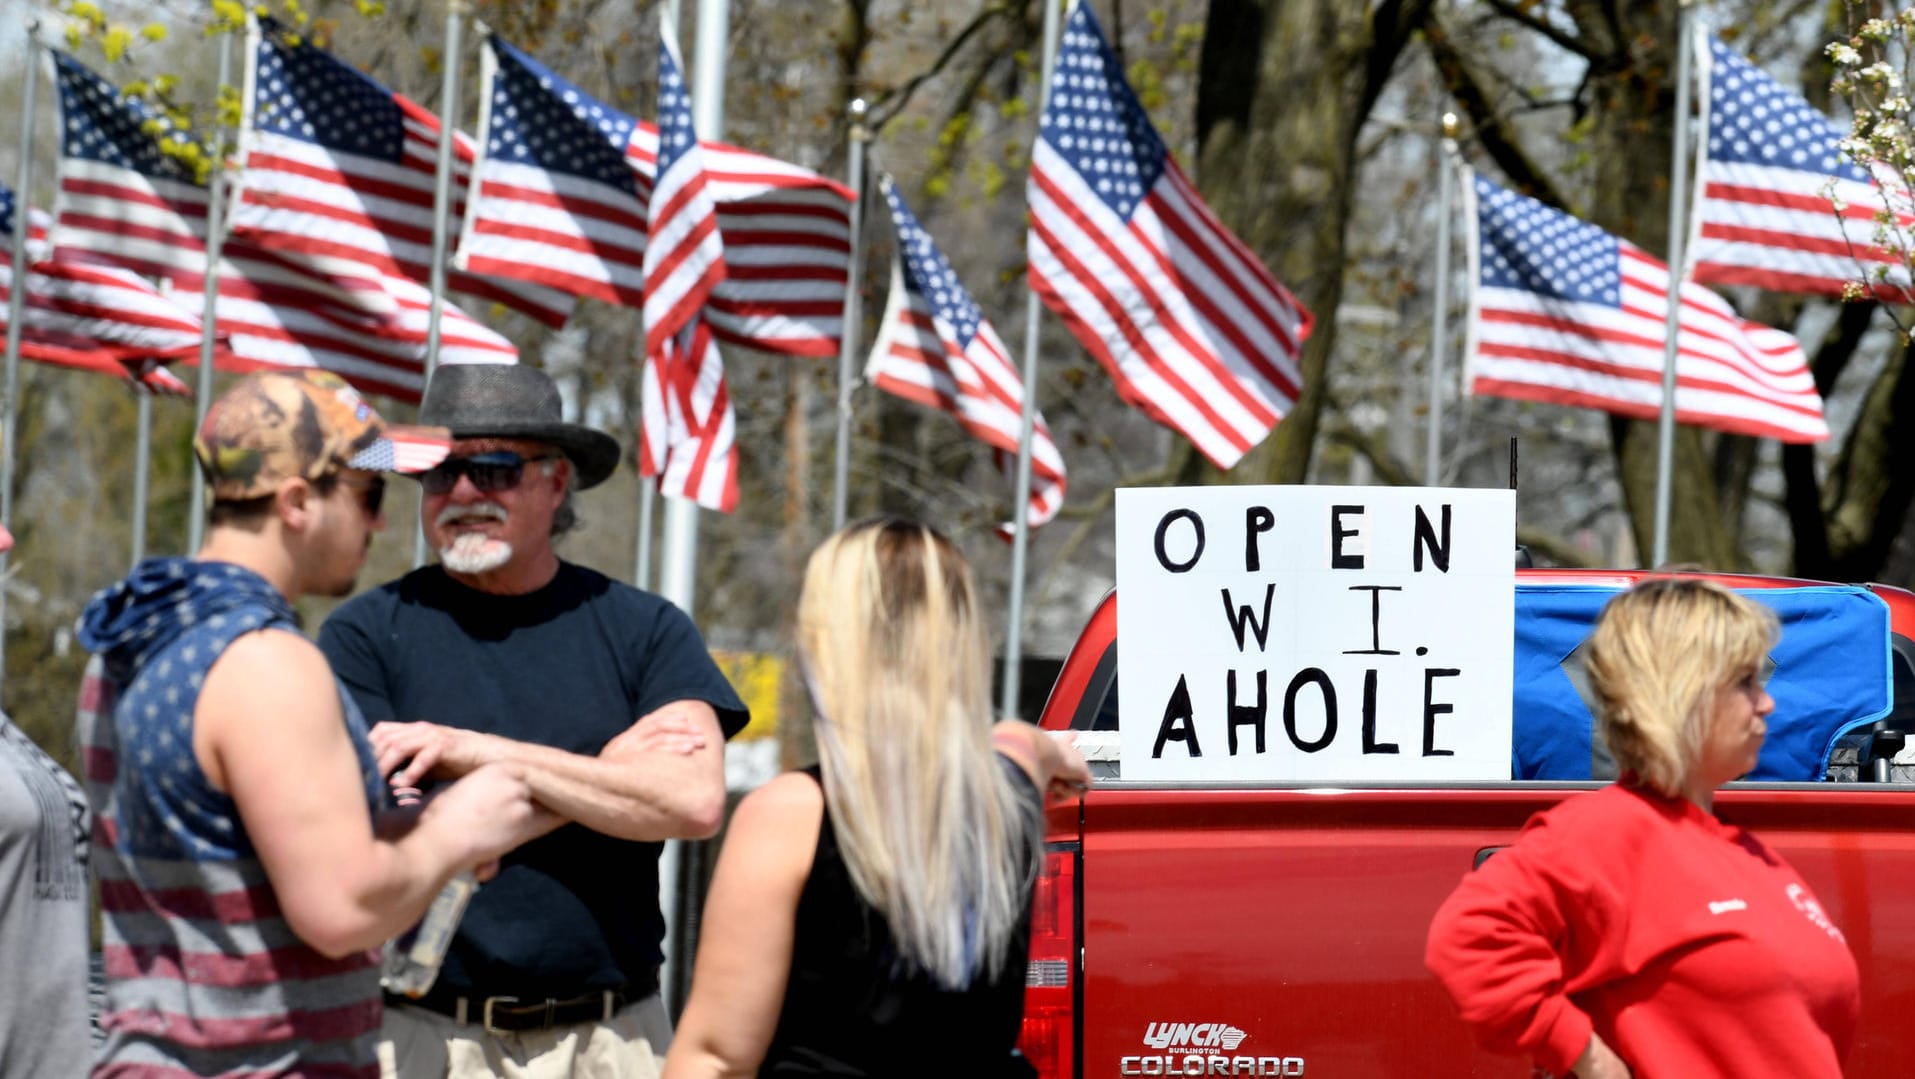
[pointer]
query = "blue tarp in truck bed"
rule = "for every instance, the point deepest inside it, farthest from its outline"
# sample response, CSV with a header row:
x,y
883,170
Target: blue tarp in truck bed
x,y
1832,675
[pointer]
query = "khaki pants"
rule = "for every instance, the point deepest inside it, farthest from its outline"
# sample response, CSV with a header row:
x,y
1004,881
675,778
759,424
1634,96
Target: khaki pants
x,y
420,1044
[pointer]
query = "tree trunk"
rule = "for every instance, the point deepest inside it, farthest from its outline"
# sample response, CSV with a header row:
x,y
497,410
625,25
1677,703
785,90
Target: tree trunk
x,y
1632,80
1284,89
1876,488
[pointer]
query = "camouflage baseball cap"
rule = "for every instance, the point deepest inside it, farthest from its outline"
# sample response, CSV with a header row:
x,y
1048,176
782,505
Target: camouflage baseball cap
x,y
274,425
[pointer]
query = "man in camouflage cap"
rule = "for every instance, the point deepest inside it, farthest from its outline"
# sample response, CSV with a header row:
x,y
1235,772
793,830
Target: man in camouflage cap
x,y
274,426
244,886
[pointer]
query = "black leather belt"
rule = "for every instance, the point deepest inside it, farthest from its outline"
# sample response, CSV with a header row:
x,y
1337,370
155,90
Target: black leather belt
x,y
501,1013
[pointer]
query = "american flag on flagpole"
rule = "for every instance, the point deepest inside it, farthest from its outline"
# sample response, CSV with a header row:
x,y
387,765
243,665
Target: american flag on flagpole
x,y
684,256
562,191
936,348
1191,326
39,226
1772,175
93,317
337,166
787,235
555,200
688,433
124,203
1565,313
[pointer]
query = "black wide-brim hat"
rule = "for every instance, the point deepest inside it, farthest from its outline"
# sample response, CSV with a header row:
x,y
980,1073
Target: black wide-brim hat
x,y
513,400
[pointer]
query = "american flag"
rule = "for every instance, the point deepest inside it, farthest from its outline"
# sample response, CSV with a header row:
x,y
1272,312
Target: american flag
x,y
562,194
154,378
337,166
684,256
1192,328
787,234
688,427
1566,313
935,347
556,203
1769,166
403,449
126,204
39,225
93,317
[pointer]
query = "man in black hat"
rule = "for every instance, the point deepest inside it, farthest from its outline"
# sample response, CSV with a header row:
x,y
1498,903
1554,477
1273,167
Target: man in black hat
x,y
603,696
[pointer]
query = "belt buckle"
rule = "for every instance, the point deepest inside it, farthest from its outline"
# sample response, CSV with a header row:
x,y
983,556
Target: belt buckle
x,y
485,1013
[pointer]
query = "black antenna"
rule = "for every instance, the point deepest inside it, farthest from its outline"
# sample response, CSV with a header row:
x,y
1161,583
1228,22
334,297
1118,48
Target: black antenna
x,y
1512,462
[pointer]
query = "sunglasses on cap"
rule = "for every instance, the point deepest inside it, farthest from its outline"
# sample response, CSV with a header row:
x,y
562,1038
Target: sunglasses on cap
x,y
371,492
499,470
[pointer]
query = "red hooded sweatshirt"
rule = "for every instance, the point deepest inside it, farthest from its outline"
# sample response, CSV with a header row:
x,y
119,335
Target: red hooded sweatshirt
x,y
1689,945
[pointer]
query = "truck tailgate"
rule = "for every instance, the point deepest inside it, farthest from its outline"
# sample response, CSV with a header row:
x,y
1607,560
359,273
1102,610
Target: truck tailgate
x,y
1280,931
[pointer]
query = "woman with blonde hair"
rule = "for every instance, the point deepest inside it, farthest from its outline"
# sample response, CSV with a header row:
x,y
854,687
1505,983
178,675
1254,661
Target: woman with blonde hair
x,y
1629,931
871,916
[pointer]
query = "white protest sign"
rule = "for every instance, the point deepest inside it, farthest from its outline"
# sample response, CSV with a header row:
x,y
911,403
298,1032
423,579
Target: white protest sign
x,y
1339,634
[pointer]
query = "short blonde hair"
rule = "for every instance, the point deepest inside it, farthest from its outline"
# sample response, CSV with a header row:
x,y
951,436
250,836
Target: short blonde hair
x,y
1658,655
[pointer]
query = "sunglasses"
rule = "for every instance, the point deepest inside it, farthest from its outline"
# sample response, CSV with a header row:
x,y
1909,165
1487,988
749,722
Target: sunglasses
x,y
499,470
371,491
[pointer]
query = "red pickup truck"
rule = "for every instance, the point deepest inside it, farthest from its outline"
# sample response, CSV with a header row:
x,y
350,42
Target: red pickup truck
x,y
1277,929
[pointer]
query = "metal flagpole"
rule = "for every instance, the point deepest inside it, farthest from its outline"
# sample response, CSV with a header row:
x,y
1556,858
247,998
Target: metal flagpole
x,y
647,499
142,468
1021,500
209,307
1440,325
678,563
678,560
456,11
16,309
648,486
853,318
1678,196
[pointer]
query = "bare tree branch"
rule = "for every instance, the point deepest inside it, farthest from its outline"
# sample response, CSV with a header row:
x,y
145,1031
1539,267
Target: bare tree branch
x,y
1566,41
886,105
1491,133
1392,24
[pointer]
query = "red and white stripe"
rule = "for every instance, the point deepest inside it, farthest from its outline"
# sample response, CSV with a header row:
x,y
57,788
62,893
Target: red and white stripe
x,y
1777,229
270,317
786,233
1785,226
1731,374
684,255
156,379
690,430
1193,329
102,319
916,357
95,317
325,312
301,198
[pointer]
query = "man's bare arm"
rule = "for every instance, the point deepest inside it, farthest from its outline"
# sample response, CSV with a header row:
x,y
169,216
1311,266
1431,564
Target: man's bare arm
x,y
661,778
268,731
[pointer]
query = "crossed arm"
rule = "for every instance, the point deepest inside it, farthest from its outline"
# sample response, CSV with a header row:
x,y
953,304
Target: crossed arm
x,y
661,778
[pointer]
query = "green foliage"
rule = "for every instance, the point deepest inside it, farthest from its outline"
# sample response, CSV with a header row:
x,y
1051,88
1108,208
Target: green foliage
x,y
192,131
1147,80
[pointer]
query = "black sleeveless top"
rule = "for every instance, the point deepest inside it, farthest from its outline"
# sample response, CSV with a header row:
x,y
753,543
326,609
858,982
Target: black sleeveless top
x,y
852,1010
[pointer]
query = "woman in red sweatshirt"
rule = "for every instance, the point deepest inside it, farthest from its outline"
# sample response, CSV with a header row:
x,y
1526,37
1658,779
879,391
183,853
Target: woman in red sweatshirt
x,y
1628,931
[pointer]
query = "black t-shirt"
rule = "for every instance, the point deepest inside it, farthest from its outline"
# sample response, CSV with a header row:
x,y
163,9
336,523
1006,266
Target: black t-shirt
x,y
569,666
853,1009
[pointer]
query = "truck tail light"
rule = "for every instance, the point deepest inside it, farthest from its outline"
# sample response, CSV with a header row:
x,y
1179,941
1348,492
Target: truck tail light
x,y
1049,1040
